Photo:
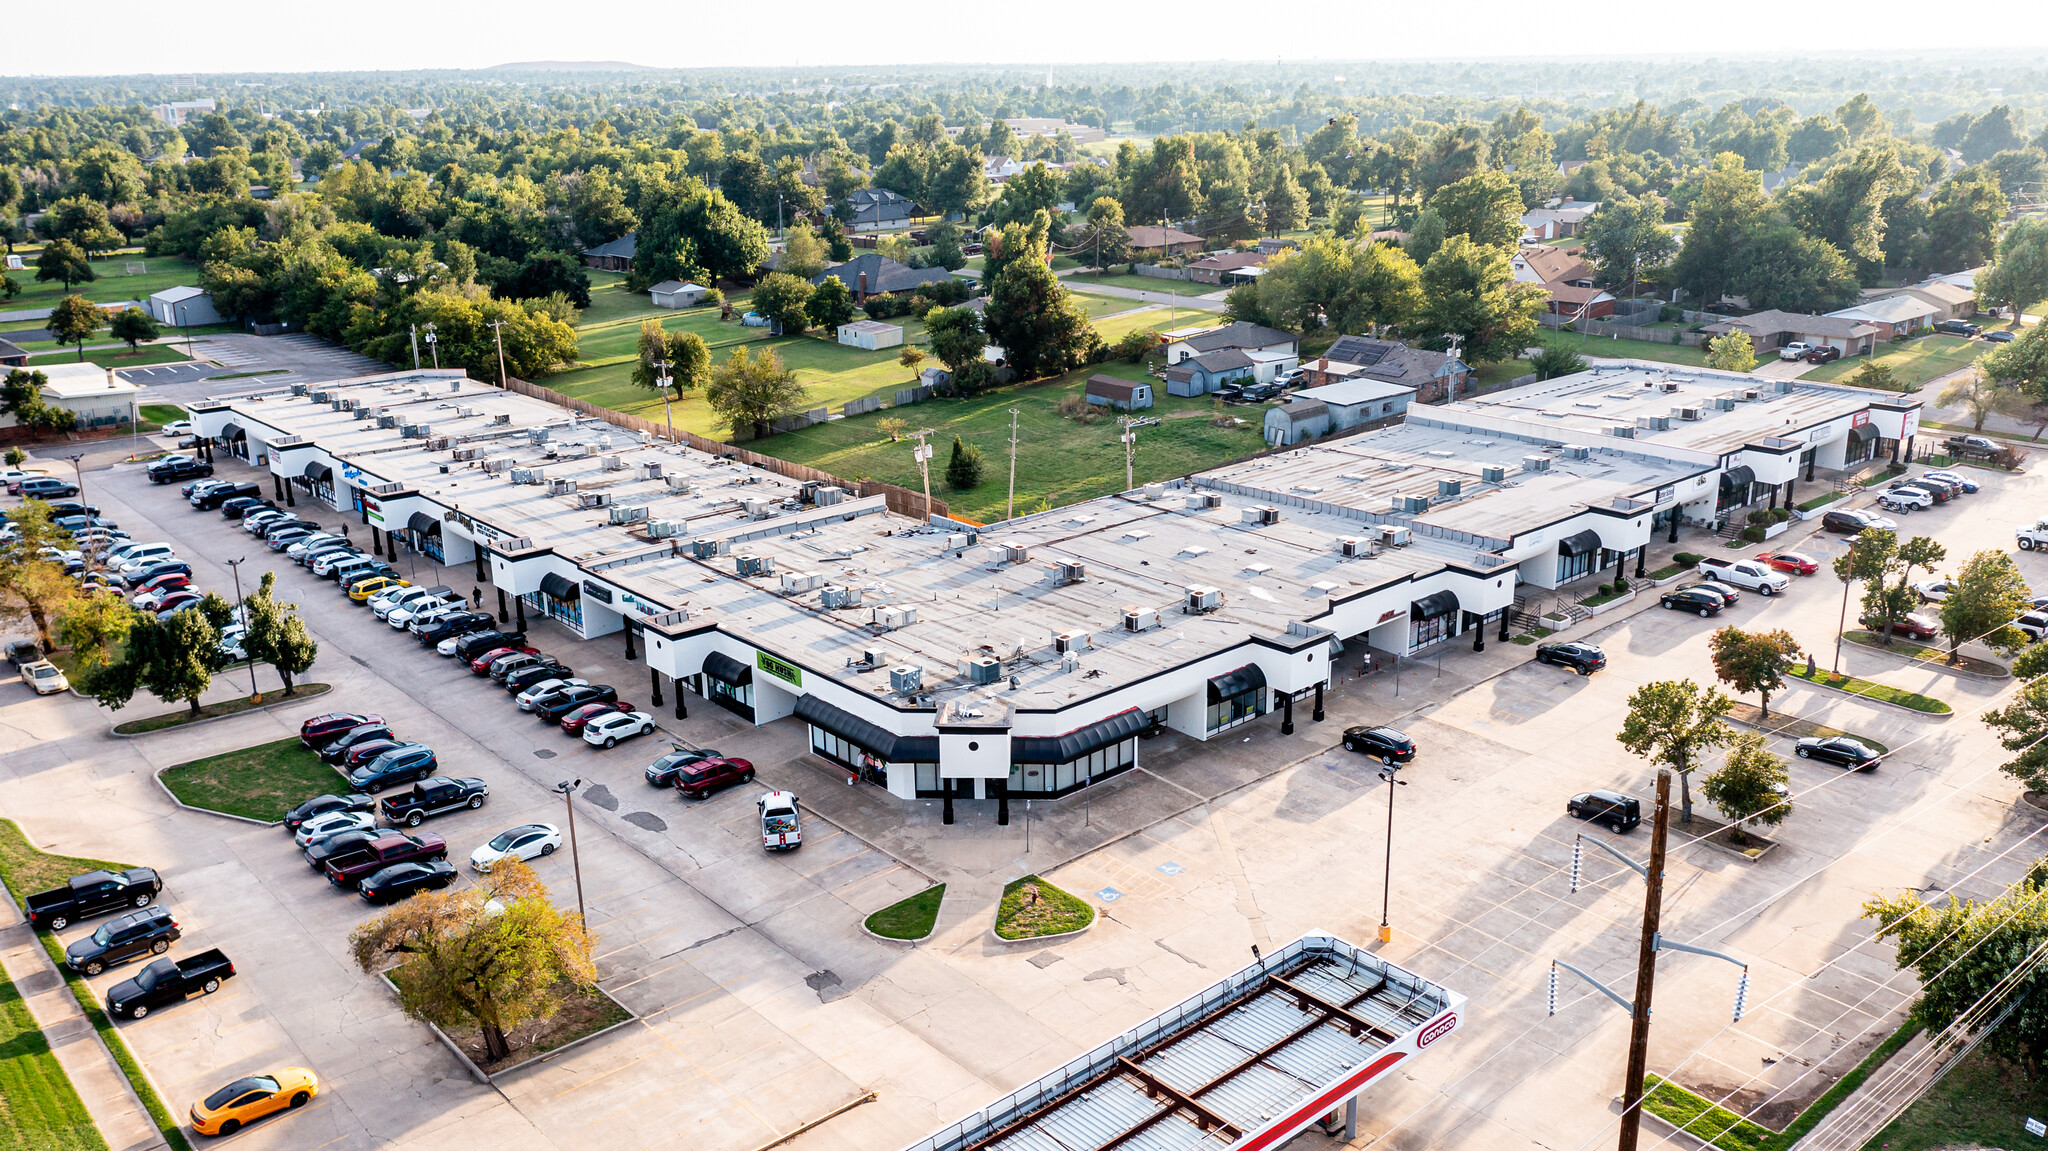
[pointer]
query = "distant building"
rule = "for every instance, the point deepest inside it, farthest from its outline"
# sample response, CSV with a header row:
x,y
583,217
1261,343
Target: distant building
x,y
1560,220
12,356
1359,399
1157,237
1954,300
1111,392
1029,126
1771,330
1274,245
867,209
1894,316
870,335
1201,375
178,111
872,273
616,256
1436,377
182,307
1243,336
95,395
1226,268
676,294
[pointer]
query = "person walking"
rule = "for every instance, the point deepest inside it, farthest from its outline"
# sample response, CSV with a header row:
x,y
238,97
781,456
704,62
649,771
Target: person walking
x,y
1365,666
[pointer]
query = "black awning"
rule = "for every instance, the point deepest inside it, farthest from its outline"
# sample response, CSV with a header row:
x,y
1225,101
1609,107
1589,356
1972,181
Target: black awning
x,y
1438,603
1583,543
916,749
1081,741
726,669
318,472
424,524
874,739
1235,683
1863,432
564,591
233,432
1737,479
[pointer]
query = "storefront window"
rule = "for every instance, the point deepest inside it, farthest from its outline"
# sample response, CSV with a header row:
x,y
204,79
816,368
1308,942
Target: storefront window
x,y
430,546
1237,709
1423,632
1060,778
857,758
1572,567
569,612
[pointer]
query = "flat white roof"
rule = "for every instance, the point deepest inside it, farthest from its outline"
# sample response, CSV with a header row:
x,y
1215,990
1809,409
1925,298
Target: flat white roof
x,y
80,381
1355,391
181,292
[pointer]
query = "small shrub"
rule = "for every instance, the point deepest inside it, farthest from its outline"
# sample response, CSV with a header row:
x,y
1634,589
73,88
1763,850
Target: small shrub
x,y
1079,410
711,298
1569,327
1620,584
1669,312
1678,337
1760,516
1686,558
1753,534
16,457
1133,347
1780,515
1607,589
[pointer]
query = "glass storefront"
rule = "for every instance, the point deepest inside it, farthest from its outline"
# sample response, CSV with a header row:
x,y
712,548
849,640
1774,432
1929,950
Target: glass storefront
x,y
569,612
1572,567
1232,710
1059,778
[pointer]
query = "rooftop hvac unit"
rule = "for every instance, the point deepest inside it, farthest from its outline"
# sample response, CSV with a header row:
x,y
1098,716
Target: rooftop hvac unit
x,y
906,679
1249,516
828,495
522,475
593,499
797,583
615,463
708,549
1668,386
387,421
1394,536
1724,403
573,451
1411,505
1575,451
666,529
1068,641
959,541
408,430
1198,500
835,597
1449,489
1493,474
753,565
1008,551
892,618
632,515
1066,573
536,436
873,656
1535,463
1624,431
1686,413
1782,387
680,484
758,507
649,471
362,413
1653,423
1155,491
1140,618
1354,548
1070,662
439,443
984,669
319,397
464,413
807,492
300,389
498,464
1752,393
464,453
336,404
562,487
1201,599
501,419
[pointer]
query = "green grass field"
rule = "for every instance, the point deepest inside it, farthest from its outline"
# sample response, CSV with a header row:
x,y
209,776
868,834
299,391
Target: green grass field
x,y
113,286
1140,284
910,918
116,356
1984,1102
27,870
261,782
1914,364
42,1111
1587,345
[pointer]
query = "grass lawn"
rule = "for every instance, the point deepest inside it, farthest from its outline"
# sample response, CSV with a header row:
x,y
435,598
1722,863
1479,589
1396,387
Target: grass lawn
x,y
184,715
43,1110
27,870
1589,346
116,356
1140,284
1877,691
161,413
1932,656
113,286
1716,1126
1914,364
1984,1102
910,918
1032,907
261,782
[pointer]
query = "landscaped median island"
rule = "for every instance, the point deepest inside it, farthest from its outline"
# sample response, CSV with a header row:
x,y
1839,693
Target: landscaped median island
x,y
911,918
1715,1126
1033,908
1876,691
261,782
172,719
1933,657
1791,725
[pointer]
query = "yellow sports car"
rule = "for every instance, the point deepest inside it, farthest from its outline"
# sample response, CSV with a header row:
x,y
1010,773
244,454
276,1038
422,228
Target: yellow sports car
x,y
365,588
245,1100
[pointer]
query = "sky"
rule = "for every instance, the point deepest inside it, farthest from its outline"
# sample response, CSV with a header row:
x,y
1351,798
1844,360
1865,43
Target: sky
x,y
241,36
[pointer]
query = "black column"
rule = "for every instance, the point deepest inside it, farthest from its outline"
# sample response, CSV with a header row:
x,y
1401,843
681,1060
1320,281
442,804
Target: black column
x,y
1318,716
654,677
502,615
288,500
1504,614
1642,554
1810,461
682,695
1672,537
519,609
277,485
1478,632
1002,787
481,575
1287,713
629,646
946,804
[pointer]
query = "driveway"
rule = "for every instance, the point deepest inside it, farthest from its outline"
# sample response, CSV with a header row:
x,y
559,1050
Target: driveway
x,y
237,363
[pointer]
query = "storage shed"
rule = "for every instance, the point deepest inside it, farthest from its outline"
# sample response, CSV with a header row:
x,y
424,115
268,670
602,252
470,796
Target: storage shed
x,y
871,335
1109,391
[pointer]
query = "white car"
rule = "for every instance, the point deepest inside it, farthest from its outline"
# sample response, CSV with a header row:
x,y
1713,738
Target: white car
x,y
177,428
12,476
43,676
1793,351
2034,624
782,827
526,698
386,605
312,543
1933,590
1882,523
608,730
231,638
1904,499
333,823
421,608
326,564
528,841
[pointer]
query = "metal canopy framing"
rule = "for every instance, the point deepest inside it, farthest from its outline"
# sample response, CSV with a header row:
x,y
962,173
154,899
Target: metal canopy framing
x,y
1434,605
424,524
557,588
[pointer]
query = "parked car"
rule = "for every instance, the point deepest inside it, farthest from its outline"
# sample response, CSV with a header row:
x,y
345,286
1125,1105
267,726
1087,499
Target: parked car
x,y
169,581
1956,328
528,841
321,730
1744,573
662,772
198,486
362,589
402,764
454,624
403,615
1968,485
381,853
323,565
93,893
246,1100
606,729
319,541
279,541
1796,563
1729,595
1610,809
505,665
22,652
470,645
536,680
1846,522
551,708
173,471
698,780
2034,624
320,827
1972,447
150,931
1933,590
166,567
2000,336
44,487
235,509
1941,490
1904,499
338,747
44,677
1794,350
1584,658
392,599
349,571
1385,744
400,880
1824,354
781,825
1841,750
169,981
364,752
481,665
433,797
321,805
342,845
1912,625
1694,599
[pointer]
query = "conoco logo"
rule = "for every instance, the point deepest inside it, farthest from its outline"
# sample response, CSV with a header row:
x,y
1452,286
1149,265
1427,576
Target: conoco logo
x,y
1437,1030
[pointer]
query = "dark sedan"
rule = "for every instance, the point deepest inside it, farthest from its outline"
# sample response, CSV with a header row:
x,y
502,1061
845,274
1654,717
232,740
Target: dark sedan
x,y
1846,522
1382,743
552,707
1584,658
2000,336
1912,625
400,880
402,764
337,749
1842,751
321,730
364,752
662,772
1694,599
323,805
1825,354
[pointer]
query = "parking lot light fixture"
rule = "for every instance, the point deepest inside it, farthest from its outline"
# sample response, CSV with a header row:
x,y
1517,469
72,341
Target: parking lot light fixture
x,y
568,789
241,605
1389,774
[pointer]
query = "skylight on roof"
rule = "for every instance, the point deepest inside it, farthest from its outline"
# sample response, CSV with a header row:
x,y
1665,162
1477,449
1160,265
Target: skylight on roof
x,y
1194,550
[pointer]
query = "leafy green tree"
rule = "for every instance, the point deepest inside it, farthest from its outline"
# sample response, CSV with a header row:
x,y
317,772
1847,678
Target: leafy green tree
x,y
1753,661
1782,267
93,626
1469,292
748,393
2018,277
1987,594
1486,208
1286,203
64,260
783,298
82,221
1328,282
946,251
912,359
1977,392
1730,206
1425,236
1103,237
956,337
964,470
74,320
1749,787
1732,352
2021,365
1628,241
1135,345
1556,360
830,305
1671,723
802,255
107,175
1961,227
174,660
1846,208
1041,329
1875,375
134,326
1035,189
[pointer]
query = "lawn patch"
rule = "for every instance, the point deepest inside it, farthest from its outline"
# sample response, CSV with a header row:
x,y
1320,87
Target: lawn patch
x,y
1820,501
1876,691
1914,363
1669,570
115,356
184,716
910,918
262,782
1032,908
113,286
1984,1102
1793,726
1906,649
161,414
1714,1125
27,870
43,1109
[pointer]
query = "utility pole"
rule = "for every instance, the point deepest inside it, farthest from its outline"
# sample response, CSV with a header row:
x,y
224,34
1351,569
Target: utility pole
x,y
666,413
433,345
235,566
498,333
1010,506
1842,624
415,346
1646,974
568,789
78,474
1390,774
923,455
1131,425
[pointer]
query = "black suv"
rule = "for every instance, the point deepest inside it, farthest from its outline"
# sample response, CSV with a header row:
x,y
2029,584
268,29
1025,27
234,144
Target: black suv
x,y
434,796
172,471
150,931
1382,743
1610,809
402,764
1696,598
526,677
1846,522
209,499
551,707
476,643
1584,658
1957,328
455,623
324,804
338,748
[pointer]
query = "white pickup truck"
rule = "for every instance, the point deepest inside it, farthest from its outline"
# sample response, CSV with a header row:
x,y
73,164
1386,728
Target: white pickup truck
x,y
1744,573
2035,537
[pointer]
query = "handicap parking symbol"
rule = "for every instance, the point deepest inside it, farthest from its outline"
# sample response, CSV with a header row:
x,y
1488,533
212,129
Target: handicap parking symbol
x,y
1109,895
1169,868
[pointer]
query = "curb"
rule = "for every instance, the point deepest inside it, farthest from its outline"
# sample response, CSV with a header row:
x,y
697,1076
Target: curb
x,y
1047,938
461,1057
158,776
909,942
488,1080
282,701
1937,666
1937,716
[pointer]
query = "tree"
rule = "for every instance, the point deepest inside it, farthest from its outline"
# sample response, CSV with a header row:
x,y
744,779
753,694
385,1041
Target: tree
x,y
1753,661
1034,190
946,251
173,660
2021,365
830,305
956,337
277,635
1103,237
134,326
1985,596
1977,393
1029,313
34,587
1628,240
1329,282
1749,788
1425,236
782,298
1730,205
1961,228
74,320
1135,345
1876,376
1485,208
1670,723
63,260
748,393
1286,203
1556,360
802,255
2018,278
82,222
492,955
912,359
1469,292
93,625
1732,352
964,470
2022,727
892,427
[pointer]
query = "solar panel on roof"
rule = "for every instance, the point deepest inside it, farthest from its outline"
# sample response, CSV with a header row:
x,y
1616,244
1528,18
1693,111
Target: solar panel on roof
x,y
1373,353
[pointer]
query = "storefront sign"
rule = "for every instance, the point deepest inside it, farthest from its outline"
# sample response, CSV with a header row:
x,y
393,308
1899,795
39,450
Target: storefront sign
x,y
351,472
776,667
597,592
370,506
1912,424
1391,614
1665,494
1860,419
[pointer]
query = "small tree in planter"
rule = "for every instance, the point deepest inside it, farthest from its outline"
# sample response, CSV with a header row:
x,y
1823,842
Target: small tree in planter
x,y
1753,661
1670,723
1747,789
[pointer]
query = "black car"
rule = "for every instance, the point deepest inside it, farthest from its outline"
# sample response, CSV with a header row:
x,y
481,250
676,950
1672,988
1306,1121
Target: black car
x,y
150,931
166,567
1957,328
1845,522
402,879
455,623
511,662
532,674
1583,658
402,764
168,981
337,748
171,471
240,506
1382,743
434,796
662,772
1694,599
476,643
323,805
1610,809
23,651
1842,751
1824,354
551,707
2001,336
342,845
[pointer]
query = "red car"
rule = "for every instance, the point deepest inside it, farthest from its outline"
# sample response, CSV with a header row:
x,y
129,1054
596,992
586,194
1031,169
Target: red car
x,y
1790,562
1912,625
170,581
364,752
574,721
481,665
321,730
705,776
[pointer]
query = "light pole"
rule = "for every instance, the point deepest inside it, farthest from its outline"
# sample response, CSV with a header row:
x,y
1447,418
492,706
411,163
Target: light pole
x,y
78,471
1842,624
568,789
923,454
1010,504
498,333
235,566
415,329
432,340
1388,773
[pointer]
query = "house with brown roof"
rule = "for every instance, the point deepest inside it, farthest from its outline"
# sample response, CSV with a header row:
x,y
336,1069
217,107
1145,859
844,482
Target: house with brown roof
x,y
1542,264
1954,300
1225,267
1771,330
1157,237
1110,392
1567,218
1894,316
1435,376
1274,245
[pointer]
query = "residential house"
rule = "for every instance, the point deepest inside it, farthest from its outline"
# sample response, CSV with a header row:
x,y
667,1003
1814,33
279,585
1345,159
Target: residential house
x,y
676,294
1291,423
1894,316
1201,375
1954,300
177,112
1359,399
867,209
1000,168
616,256
1567,167
1773,181
872,273
1226,267
1580,303
1157,237
1029,126
1111,392
1566,218
1243,336
11,355
1963,279
1541,264
870,335
1772,330
1274,245
1436,377
181,307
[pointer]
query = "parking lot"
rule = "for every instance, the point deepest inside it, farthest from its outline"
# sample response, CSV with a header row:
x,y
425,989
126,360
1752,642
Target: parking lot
x,y
763,1005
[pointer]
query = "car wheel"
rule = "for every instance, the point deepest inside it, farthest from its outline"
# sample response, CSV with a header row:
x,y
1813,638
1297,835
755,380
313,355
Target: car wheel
x,y
59,923
547,849
209,987
698,794
1388,760
610,742
299,1099
2026,545
95,967
415,819
1704,613
143,899
1584,672
138,1011
1804,753
1667,604
646,729
475,801
747,776
159,947
1765,591
230,1127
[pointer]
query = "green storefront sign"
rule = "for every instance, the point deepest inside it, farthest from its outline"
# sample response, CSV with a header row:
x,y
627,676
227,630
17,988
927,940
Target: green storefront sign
x,y
778,669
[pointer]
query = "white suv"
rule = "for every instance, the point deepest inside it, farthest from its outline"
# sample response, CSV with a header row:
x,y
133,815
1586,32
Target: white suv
x,y
1904,499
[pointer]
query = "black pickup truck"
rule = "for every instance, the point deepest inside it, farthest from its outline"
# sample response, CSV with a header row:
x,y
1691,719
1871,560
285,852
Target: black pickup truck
x,y
94,893
168,981
434,796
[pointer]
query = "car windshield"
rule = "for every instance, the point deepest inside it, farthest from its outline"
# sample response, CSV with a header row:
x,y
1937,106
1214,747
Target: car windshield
x,y
104,935
507,839
239,1086
47,671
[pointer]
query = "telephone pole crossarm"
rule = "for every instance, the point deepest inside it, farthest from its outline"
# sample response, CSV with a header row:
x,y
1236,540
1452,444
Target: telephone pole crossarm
x,y
1741,985
1578,847
1602,988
